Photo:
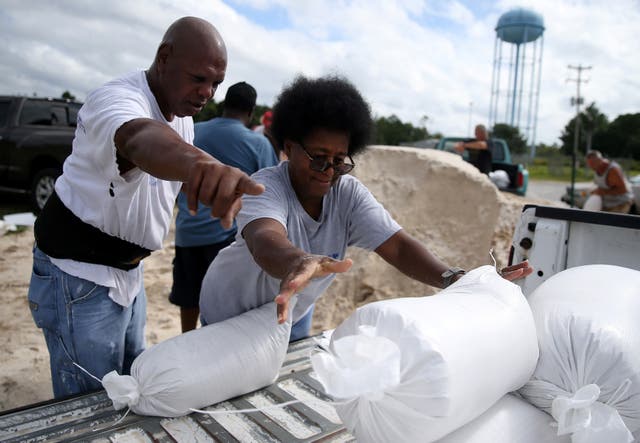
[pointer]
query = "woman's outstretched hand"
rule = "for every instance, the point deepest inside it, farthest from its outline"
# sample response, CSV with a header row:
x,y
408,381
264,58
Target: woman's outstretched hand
x,y
305,269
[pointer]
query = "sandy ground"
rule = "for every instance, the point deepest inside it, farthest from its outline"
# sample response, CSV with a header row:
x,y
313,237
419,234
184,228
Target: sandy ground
x,y
436,197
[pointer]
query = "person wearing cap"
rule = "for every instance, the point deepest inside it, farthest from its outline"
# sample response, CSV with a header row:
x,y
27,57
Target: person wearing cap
x,y
200,237
292,239
265,122
265,129
113,205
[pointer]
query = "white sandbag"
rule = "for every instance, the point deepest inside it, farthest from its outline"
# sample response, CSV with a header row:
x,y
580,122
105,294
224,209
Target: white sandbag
x,y
204,366
500,178
588,375
415,369
593,203
511,420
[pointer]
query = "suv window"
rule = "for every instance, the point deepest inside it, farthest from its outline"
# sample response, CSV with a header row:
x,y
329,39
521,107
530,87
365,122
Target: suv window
x,y
4,112
73,113
43,112
36,112
58,115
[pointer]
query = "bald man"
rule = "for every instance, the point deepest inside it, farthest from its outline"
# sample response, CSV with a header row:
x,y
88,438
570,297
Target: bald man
x,y
611,184
478,149
113,205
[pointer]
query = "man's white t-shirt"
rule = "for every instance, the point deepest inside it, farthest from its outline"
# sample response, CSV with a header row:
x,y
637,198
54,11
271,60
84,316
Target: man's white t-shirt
x,y
135,206
351,216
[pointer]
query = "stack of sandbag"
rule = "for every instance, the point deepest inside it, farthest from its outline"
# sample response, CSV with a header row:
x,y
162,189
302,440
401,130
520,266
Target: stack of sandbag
x,y
510,420
204,366
416,369
588,374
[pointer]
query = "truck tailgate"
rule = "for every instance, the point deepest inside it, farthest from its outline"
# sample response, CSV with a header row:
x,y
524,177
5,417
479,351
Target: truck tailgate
x,y
91,417
554,239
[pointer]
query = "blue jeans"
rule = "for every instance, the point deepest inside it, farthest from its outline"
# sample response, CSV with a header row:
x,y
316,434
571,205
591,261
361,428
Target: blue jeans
x,y
81,323
300,329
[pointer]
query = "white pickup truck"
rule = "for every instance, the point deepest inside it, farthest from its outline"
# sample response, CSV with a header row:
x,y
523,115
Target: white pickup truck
x,y
551,238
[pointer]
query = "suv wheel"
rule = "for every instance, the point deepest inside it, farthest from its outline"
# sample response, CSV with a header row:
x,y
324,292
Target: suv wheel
x,y
42,187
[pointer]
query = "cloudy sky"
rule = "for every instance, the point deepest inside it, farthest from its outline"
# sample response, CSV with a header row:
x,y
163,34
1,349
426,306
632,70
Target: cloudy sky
x,y
411,58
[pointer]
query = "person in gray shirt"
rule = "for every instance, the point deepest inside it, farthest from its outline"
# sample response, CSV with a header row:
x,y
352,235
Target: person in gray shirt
x,y
292,238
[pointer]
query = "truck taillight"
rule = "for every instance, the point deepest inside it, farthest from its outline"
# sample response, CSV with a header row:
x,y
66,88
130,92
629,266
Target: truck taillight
x,y
520,180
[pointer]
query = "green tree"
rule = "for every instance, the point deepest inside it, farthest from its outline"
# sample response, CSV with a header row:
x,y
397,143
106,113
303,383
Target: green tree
x,y
68,96
257,113
210,110
213,110
392,131
511,134
544,150
621,138
592,123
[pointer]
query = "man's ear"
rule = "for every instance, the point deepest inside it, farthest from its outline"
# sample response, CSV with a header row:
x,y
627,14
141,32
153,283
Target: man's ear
x,y
164,51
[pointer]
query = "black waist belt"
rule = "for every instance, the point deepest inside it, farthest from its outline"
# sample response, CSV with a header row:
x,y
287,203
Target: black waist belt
x,y
61,234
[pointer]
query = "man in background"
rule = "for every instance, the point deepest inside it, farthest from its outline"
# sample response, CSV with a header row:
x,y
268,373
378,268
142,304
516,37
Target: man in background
x,y
200,237
265,128
611,185
265,122
479,150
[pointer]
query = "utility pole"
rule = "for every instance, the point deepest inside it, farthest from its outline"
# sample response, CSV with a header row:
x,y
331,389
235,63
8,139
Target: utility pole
x,y
577,100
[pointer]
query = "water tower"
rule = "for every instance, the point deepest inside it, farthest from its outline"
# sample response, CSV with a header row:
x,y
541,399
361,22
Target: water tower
x,y
517,63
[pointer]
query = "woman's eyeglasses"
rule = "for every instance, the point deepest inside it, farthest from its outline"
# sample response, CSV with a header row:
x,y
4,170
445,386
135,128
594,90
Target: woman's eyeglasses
x,y
320,163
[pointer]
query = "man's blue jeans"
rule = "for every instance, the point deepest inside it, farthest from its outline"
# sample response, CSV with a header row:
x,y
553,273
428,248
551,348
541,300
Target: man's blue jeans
x,y
82,324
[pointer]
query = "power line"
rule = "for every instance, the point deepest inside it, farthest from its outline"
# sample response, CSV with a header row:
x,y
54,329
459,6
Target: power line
x,y
577,100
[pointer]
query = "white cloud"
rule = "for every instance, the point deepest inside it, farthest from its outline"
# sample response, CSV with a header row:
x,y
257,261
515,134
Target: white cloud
x,y
409,58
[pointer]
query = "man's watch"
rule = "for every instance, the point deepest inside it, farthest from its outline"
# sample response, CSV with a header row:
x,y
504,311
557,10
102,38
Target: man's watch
x,y
449,275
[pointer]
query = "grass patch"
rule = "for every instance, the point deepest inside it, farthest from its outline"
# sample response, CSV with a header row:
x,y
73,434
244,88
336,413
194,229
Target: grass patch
x,y
543,172
558,168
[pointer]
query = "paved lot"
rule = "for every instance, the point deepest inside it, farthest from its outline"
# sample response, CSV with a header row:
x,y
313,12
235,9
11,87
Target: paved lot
x,y
547,189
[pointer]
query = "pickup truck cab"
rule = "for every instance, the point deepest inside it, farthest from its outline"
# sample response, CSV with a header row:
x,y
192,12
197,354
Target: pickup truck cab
x,y
36,135
501,160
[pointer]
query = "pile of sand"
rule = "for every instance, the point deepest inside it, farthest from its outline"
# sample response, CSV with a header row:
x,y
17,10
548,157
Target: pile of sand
x,y
441,200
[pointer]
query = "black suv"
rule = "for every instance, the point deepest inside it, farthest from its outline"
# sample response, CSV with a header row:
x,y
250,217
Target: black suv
x,y
35,137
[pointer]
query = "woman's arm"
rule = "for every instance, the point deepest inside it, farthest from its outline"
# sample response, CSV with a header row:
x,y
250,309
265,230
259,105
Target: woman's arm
x,y
277,256
410,257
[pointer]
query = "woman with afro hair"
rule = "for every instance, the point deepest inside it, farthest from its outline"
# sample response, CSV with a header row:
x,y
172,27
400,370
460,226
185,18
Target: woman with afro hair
x,y
292,238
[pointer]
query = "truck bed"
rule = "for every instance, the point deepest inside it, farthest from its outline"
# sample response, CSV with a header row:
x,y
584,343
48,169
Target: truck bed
x,y
512,172
91,417
554,239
